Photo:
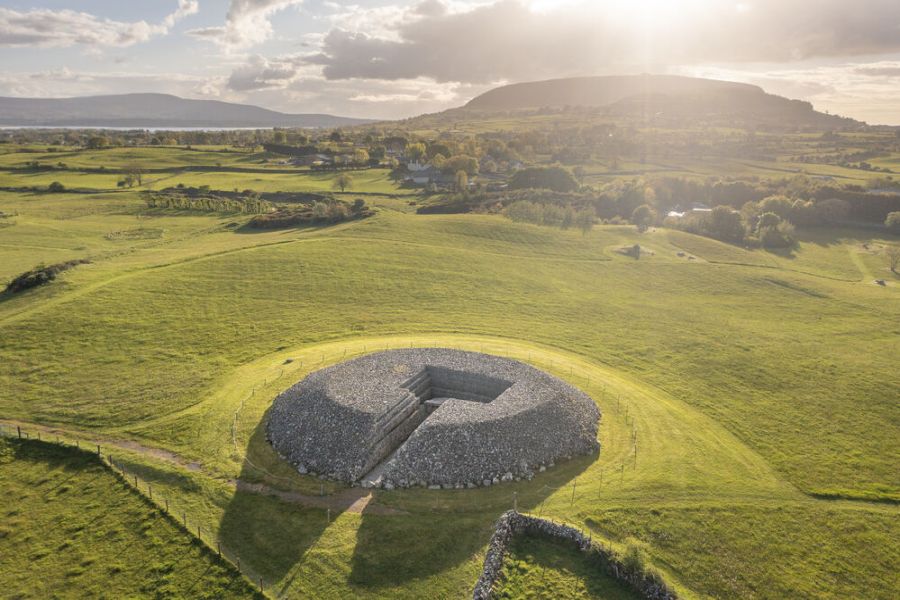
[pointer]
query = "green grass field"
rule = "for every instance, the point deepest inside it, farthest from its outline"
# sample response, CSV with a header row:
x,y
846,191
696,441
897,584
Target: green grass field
x,y
761,388
537,568
72,529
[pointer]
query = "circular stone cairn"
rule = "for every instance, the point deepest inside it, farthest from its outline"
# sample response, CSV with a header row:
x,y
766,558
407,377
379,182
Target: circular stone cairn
x,y
431,417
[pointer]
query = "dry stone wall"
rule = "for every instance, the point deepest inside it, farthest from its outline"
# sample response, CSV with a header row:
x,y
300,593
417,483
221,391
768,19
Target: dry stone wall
x,y
511,523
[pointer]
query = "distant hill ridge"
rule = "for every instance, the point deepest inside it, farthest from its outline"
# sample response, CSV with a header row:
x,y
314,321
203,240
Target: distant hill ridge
x,y
636,94
153,110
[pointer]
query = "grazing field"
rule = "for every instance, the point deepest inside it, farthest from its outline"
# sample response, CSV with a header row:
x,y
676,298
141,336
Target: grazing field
x,y
749,397
538,568
72,529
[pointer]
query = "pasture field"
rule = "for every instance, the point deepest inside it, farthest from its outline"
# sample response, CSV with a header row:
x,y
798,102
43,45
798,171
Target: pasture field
x,y
538,568
72,529
749,398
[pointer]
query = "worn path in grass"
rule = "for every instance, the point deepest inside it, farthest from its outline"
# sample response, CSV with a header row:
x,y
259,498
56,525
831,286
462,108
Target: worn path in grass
x,y
736,386
72,529
684,460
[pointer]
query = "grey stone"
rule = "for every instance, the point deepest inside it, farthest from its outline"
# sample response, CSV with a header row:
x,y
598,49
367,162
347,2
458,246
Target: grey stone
x,y
648,584
431,416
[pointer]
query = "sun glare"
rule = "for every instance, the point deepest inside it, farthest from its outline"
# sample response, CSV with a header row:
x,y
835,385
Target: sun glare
x,y
653,15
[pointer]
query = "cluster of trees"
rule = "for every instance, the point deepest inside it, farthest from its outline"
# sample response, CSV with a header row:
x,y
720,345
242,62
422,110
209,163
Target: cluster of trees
x,y
768,222
554,178
332,211
249,203
551,215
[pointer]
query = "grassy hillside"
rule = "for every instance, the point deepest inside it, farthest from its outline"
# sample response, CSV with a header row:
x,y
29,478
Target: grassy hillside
x,y
755,385
72,530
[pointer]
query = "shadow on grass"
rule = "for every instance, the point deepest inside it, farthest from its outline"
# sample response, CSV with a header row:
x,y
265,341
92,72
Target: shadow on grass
x,y
272,521
267,531
51,455
444,528
550,566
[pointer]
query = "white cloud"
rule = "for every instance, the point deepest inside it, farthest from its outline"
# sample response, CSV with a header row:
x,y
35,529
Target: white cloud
x,y
247,23
518,40
63,28
64,82
260,73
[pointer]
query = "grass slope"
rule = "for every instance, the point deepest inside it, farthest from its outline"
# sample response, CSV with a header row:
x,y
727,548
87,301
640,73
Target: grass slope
x,y
537,568
72,530
749,381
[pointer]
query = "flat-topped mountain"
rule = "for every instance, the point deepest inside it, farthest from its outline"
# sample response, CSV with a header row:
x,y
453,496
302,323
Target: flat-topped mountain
x,y
654,94
152,110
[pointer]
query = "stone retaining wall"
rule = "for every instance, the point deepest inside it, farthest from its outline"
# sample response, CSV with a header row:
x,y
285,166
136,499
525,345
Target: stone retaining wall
x,y
512,523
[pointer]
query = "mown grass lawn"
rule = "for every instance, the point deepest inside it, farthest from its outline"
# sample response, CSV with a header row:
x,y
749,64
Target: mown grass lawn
x,y
750,381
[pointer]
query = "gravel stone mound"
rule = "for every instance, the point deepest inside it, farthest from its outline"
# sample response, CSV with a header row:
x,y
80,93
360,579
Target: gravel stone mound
x,y
431,417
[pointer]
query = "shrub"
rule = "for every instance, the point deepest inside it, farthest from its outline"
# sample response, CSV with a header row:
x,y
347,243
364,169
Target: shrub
x,y
892,222
40,275
584,219
524,211
56,187
777,236
643,217
633,560
833,210
768,220
780,205
725,224
804,213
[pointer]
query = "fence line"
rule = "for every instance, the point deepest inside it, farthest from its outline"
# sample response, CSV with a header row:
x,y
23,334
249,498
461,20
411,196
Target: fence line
x,y
231,558
134,482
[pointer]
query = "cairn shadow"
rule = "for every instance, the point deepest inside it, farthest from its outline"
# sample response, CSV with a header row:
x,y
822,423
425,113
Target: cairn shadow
x,y
277,515
267,525
438,530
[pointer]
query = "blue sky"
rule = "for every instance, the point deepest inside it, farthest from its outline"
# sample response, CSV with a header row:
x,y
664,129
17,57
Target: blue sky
x,y
392,59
